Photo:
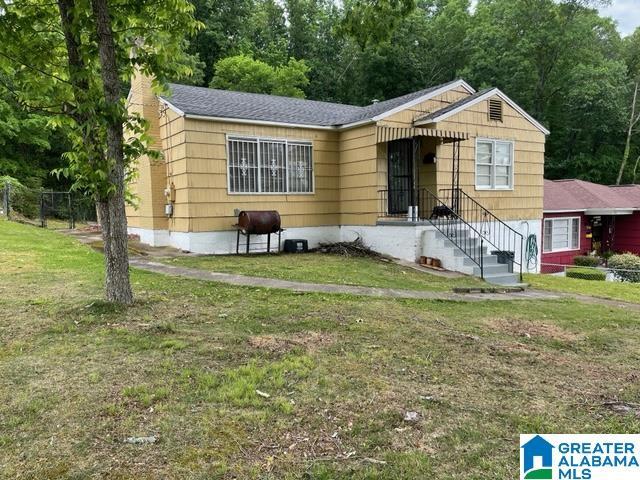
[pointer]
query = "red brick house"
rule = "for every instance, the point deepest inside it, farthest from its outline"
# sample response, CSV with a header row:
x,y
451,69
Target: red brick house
x,y
582,217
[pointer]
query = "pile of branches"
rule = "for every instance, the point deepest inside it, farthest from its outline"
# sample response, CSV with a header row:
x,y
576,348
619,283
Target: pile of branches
x,y
357,248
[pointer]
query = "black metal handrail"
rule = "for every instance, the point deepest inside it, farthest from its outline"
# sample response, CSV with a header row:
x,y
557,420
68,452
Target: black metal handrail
x,y
432,209
506,241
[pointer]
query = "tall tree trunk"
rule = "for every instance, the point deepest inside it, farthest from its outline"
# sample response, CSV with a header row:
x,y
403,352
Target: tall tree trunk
x,y
632,123
635,170
112,209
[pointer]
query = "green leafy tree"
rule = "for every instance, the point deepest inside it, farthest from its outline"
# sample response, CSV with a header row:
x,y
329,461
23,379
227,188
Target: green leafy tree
x,y
267,34
373,21
314,35
289,80
225,25
426,48
245,74
632,58
29,147
522,46
72,58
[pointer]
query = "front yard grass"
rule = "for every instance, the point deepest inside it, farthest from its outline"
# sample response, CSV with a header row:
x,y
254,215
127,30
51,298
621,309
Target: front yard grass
x,y
256,383
325,268
624,291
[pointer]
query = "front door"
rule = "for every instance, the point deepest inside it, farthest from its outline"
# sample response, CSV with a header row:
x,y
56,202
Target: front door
x,y
400,171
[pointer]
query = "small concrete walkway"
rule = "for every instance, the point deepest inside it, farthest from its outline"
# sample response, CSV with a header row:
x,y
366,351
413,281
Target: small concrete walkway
x,y
246,281
145,263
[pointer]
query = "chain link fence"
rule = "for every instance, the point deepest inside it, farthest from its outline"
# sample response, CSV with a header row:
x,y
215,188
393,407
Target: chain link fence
x,y
45,208
601,273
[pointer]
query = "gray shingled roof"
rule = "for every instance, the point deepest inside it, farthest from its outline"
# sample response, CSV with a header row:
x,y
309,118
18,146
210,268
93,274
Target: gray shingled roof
x,y
379,108
210,102
452,106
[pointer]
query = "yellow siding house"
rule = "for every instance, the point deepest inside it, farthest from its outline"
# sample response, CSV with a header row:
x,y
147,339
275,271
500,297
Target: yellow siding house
x,y
399,173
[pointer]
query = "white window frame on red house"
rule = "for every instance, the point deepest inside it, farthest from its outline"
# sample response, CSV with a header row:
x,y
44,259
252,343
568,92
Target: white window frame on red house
x,y
573,236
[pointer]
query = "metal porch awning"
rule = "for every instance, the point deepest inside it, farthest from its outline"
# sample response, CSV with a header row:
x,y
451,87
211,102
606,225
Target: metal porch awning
x,y
388,134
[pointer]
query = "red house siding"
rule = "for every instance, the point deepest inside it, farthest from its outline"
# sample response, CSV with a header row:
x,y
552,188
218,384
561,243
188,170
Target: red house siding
x,y
627,234
566,258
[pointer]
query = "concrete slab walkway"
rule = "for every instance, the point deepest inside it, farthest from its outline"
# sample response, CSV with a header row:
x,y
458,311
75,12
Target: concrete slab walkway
x,y
247,281
145,263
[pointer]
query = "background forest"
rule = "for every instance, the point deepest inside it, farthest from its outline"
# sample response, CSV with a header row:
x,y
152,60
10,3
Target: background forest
x,y
560,60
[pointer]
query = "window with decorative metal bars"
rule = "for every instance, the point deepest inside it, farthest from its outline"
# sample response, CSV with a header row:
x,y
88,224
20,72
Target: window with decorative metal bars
x,y
495,109
257,165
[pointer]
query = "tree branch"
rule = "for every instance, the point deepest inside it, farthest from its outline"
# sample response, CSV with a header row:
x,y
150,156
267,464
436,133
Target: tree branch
x,y
26,106
35,69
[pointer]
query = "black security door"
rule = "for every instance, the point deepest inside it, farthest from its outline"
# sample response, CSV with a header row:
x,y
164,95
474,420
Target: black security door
x,y
400,176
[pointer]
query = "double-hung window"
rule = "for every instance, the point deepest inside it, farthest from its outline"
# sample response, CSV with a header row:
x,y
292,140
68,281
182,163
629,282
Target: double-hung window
x,y
494,165
561,234
260,165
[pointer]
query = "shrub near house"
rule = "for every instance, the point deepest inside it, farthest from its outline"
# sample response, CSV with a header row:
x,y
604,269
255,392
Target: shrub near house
x,y
627,267
586,261
585,273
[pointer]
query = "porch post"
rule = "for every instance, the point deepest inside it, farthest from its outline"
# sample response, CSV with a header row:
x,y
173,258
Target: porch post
x,y
414,165
455,177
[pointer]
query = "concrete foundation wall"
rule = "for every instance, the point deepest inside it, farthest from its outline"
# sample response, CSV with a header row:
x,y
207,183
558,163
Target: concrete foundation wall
x,y
406,242
224,242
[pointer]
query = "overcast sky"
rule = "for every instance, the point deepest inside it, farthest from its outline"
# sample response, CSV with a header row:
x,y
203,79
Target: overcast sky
x,y
626,13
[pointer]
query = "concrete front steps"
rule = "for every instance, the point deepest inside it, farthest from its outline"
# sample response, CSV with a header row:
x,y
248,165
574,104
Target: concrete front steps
x,y
437,245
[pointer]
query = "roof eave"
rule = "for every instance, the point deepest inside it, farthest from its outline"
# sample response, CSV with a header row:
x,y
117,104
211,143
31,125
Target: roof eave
x,y
595,211
566,210
171,106
261,122
609,211
359,123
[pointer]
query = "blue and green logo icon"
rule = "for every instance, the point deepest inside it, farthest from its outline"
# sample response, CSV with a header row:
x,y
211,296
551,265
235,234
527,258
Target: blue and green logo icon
x,y
537,459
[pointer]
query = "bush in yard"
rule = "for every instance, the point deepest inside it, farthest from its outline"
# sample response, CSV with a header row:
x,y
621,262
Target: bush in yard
x,y
626,267
584,273
23,200
586,261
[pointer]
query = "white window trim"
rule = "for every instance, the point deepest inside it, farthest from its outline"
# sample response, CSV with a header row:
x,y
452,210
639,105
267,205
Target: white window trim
x,y
560,250
511,185
286,142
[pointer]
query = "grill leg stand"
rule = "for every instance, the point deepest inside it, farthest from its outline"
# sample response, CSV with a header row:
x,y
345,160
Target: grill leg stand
x,y
269,243
238,243
248,241
279,235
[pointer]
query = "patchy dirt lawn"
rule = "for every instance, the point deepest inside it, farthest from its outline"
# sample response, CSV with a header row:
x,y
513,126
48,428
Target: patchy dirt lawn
x,y
253,383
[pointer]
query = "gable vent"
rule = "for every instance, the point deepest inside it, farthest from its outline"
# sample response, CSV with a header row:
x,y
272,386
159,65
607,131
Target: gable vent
x,y
495,110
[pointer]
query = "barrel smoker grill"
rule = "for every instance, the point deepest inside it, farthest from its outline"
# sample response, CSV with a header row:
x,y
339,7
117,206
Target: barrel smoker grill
x,y
258,222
